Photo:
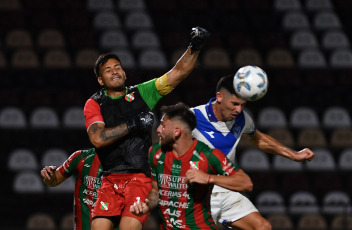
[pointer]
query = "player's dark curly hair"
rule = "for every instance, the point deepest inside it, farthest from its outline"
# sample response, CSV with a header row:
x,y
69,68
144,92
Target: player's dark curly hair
x,y
226,82
182,112
102,59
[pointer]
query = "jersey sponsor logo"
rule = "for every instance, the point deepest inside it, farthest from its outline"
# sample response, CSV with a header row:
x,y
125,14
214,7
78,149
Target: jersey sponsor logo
x,y
129,97
177,194
88,202
172,182
90,193
160,162
104,205
92,182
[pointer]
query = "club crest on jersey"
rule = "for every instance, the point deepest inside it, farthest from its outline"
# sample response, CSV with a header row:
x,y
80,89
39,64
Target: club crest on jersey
x,y
104,205
129,97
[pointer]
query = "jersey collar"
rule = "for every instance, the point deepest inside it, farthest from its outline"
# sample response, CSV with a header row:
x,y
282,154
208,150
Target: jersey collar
x,y
210,111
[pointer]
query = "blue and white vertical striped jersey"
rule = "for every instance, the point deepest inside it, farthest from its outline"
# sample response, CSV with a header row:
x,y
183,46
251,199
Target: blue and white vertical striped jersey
x,y
218,134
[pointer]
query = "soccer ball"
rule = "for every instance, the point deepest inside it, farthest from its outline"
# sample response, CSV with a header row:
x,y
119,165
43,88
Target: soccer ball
x,y
250,83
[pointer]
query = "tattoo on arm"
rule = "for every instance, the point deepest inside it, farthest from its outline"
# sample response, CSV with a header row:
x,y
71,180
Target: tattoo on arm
x,y
114,133
153,198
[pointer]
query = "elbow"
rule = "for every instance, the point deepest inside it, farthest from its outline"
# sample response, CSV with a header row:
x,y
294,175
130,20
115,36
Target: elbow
x,y
97,143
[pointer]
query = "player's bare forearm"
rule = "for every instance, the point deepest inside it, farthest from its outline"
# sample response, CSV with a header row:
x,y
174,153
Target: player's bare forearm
x,y
239,182
101,136
153,198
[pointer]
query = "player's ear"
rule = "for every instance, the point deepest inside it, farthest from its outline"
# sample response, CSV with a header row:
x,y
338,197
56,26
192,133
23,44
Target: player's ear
x,y
100,81
219,96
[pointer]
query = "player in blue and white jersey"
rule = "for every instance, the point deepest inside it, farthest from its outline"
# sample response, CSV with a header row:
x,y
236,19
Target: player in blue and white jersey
x,y
220,124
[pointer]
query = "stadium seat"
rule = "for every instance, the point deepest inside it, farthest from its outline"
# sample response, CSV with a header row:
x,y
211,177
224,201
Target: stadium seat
x,y
336,202
73,117
248,56
270,202
341,138
271,117
13,118
44,117
68,186
311,59
97,5
106,20
284,164
51,38
345,160
113,39
66,222
9,5
335,40
287,5
22,159
283,135
40,221
326,20
127,58
54,157
128,5
341,222
341,58
304,117
323,160
152,59
294,20
336,117
253,159
216,58
86,58
280,221
312,221
3,60
57,59
311,137
303,202
25,59
303,39
28,182
18,38
145,39
135,20
280,58
317,5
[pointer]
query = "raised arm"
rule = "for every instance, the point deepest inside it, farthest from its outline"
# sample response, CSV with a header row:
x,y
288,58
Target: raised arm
x,y
269,145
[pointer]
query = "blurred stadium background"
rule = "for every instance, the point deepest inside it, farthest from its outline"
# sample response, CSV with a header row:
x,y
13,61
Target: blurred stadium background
x,y
48,49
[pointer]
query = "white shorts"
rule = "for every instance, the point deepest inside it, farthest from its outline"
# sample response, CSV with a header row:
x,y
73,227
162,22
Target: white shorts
x,y
230,206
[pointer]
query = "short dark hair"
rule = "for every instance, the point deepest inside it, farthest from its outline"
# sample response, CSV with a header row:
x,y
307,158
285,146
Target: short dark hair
x,y
102,59
226,82
182,112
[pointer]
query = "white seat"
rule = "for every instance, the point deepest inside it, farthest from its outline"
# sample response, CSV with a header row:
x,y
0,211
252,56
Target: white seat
x,y
326,20
128,5
335,40
44,117
138,20
270,202
144,39
315,5
54,157
285,5
341,58
303,39
127,58
67,186
294,20
345,160
96,5
304,117
336,202
253,159
28,182
73,117
311,59
106,20
86,58
323,160
284,164
150,59
12,117
22,159
336,117
271,117
303,202
112,39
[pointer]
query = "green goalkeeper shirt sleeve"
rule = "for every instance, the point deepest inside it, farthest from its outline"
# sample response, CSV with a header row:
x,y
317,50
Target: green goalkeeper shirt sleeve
x,y
149,93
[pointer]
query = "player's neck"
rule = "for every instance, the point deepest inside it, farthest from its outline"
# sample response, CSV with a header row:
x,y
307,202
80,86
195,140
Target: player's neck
x,y
217,112
182,146
116,93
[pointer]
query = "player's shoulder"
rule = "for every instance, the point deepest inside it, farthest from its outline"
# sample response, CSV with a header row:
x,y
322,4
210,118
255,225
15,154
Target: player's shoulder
x,y
80,154
203,148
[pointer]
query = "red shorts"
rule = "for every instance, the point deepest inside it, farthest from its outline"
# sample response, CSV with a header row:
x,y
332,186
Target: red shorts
x,y
118,192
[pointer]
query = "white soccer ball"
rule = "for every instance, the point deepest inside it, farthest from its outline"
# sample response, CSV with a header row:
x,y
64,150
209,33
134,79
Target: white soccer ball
x,y
250,83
